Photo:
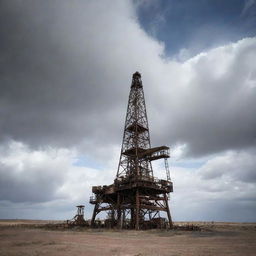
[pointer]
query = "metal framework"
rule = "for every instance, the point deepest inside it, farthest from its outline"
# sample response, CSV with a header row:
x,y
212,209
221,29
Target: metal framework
x,y
136,197
78,219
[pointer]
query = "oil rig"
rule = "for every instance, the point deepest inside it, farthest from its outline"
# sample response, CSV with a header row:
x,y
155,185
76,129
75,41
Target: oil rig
x,y
136,198
78,219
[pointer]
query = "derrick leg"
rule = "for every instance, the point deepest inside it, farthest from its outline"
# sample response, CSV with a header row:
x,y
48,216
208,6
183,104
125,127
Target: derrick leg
x,y
119,224
94,215
123,220
132,224
112,217
149,215
168,211
137,210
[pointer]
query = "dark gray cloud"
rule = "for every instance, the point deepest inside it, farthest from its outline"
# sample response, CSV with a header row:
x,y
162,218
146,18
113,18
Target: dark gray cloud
x,y
54,88
34,185
66,68
65,80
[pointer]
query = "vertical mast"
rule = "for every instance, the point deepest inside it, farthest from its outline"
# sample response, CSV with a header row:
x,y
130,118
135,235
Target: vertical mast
x,y
136,138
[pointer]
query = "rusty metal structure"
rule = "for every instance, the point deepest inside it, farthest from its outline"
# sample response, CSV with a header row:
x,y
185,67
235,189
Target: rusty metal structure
x,y
136,198
78,219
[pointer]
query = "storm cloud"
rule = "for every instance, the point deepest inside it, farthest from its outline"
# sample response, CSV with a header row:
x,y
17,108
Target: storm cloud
x,y
65,74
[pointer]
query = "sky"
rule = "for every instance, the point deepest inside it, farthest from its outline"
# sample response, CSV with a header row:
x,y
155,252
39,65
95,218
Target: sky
x,y
66,69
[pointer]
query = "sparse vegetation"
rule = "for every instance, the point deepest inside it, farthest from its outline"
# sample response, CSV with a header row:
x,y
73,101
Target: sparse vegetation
x,y
43,238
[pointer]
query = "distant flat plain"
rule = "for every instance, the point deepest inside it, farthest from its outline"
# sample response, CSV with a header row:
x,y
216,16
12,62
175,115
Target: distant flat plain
x,y
29,237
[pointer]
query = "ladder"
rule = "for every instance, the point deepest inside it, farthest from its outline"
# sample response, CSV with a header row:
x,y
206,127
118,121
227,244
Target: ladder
x,y
167,169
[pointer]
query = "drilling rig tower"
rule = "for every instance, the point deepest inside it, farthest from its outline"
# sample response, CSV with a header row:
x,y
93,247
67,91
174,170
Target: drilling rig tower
x,y
136,198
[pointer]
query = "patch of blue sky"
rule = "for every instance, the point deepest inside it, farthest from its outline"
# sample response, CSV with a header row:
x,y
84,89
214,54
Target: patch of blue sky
x,y
83,161
197,25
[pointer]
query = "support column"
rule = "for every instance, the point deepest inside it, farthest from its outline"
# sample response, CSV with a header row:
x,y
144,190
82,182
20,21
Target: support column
x,y
123,219
137,210
132,224
112,217
94,215
118,211
168,211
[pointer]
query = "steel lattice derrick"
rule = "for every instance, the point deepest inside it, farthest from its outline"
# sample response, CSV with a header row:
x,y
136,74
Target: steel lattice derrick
x,y
136,197
136,134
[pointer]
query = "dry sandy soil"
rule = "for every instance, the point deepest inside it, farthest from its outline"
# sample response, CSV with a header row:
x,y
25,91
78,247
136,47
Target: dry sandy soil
x,y
28,238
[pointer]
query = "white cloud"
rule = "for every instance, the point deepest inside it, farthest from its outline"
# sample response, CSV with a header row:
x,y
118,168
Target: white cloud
x,y
206,102
231,166
46,184
48,174
224,182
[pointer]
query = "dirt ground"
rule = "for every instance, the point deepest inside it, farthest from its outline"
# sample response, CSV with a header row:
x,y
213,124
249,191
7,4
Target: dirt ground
x,y
29,238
